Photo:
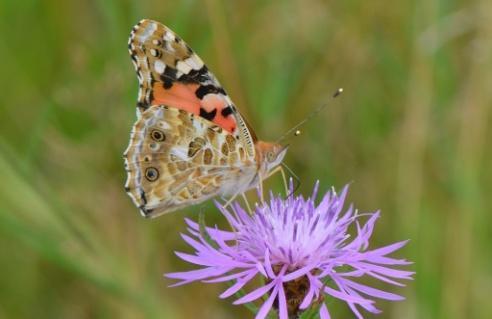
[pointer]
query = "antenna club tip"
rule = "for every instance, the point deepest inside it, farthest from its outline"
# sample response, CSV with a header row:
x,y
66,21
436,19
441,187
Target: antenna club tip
x,y
338,92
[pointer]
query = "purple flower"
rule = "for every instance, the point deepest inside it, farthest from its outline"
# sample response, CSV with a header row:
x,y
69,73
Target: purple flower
x,y
303,252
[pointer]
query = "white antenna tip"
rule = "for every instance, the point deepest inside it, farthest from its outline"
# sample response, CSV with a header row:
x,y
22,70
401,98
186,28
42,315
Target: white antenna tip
x,y
338,92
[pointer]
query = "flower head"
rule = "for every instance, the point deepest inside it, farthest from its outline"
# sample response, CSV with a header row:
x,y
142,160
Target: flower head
x,y
303,251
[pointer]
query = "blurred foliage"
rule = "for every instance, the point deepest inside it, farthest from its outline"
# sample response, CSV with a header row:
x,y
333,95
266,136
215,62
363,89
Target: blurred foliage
x,y
410,133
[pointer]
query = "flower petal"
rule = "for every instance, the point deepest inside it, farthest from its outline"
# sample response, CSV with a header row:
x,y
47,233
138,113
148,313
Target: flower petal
x,y
345,297
308,298
268,264
227,277
213,232
371,291
394,273
387,249
255,294
368,307
267,305
238,285
198,274
282,303
323,312
202,261
298,273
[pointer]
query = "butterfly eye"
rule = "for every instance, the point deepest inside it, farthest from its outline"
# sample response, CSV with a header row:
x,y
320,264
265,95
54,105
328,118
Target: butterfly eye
x,y
158,136
151,174
270,156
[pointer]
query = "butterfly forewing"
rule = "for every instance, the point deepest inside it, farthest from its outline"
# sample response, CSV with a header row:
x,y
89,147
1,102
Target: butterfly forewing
x,y
171,74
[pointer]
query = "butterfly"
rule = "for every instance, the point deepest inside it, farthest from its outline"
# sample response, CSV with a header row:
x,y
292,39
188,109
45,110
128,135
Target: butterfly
x,y
190,142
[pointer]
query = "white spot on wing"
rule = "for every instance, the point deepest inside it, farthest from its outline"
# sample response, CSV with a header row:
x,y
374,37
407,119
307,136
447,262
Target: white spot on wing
x,y
200,128
183,67
169,36
149,30
194,62
180,152
169,47
159,66
164,125
154,147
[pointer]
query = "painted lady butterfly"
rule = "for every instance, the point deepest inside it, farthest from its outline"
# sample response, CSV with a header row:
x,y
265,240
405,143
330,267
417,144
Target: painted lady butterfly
x,y
189,142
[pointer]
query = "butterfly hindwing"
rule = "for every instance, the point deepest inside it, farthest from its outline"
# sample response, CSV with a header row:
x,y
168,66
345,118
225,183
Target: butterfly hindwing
x,y
176,159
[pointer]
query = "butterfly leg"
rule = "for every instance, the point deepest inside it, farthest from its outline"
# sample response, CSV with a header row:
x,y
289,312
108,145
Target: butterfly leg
x,y
230,200
260,186
247,203
228,203
284,178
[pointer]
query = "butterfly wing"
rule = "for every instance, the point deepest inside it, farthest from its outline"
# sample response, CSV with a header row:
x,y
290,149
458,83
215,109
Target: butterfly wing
x,y
176,159
171,74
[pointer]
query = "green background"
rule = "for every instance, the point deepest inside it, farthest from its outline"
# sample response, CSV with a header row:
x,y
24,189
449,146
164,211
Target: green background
x,y
410,133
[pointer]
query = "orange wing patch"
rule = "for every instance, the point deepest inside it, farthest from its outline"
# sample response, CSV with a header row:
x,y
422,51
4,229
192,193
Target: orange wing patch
x,y
180,96
212,107
171,74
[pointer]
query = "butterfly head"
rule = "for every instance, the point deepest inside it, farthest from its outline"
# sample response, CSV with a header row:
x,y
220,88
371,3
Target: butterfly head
x,y
270,155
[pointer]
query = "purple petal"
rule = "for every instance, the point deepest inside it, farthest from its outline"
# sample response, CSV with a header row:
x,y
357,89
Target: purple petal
x,y
387,280
195,244
198,274
387,249
395,273
309,297
228,277
205,250
355,311
371,291
231,251
268,265
282,302
323,312
261,269
386,260
267,305
298,273
238,285
255,294
181,283
344,296
368,307
213,232
203,261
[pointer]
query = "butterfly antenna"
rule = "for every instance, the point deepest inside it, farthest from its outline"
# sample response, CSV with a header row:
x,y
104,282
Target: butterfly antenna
x,y
310,116
296,178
